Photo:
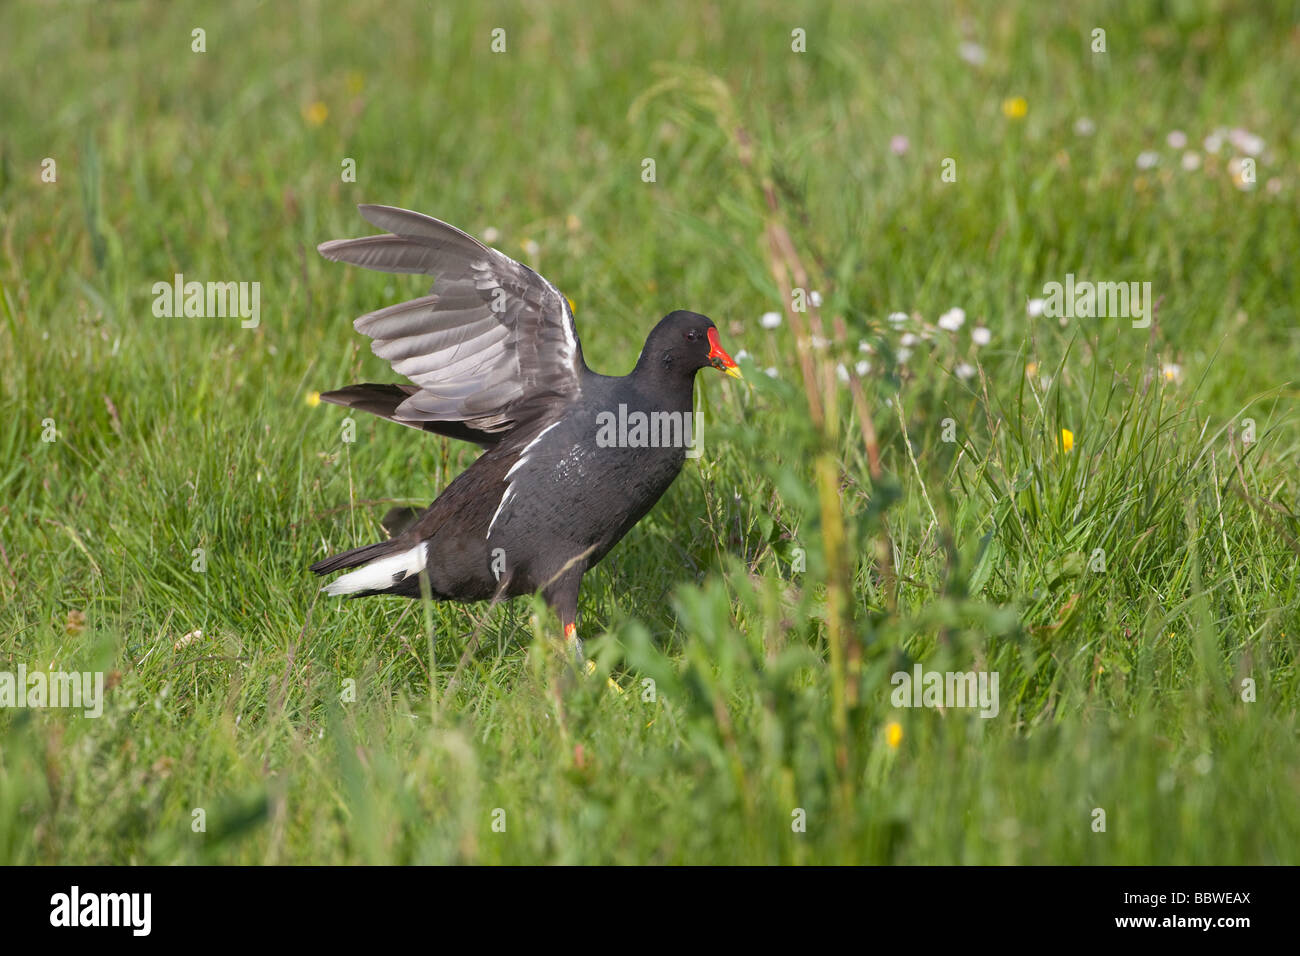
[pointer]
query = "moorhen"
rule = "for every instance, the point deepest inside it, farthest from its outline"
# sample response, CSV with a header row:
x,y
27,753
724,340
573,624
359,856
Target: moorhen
x,y
573,459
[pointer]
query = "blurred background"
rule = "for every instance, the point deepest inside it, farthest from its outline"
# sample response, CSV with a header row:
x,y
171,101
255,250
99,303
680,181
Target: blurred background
x,y
933,165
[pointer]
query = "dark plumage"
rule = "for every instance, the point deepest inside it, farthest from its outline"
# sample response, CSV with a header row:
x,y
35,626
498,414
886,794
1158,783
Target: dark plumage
x,y
494,359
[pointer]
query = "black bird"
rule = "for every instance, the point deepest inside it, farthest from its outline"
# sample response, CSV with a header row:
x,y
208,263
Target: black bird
x,y
573,459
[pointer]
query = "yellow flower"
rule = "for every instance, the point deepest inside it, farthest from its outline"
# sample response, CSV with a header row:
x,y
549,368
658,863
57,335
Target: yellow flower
x,y
1067,439
316,114
1015,107
1031,369
893,734
313,399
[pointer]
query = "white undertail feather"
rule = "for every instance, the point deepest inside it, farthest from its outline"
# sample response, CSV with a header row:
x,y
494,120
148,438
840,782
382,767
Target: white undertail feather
x,y
381,574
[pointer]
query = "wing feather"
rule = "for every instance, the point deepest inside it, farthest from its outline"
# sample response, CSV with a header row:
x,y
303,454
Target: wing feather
x,y
493,343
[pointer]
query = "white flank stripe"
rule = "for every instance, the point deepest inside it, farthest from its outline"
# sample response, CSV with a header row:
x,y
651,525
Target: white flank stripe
x,y
516,466
523,455
510,488
381,574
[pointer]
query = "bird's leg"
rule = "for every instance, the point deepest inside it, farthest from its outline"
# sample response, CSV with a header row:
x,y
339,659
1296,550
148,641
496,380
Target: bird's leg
x,y
573,641
563,599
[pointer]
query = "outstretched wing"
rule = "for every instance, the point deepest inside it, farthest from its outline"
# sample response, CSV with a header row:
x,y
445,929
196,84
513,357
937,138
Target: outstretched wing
x,y
493,343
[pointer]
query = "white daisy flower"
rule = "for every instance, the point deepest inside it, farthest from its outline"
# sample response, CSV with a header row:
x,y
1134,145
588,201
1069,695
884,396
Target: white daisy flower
x,y
897,317
1035,307
816,298
972,53
865,346
770,372
953,319
908,340
1246,141
770,320
964,371
1176,139
842,373
903,355
980,335
1148,159
1191,161
1214,142
1084,126
490,234
862,368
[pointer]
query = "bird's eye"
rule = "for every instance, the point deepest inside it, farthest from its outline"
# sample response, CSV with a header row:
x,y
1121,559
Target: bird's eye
x,y
693,335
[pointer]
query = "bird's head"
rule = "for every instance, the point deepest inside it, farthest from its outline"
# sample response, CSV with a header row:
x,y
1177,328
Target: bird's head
x,y
684,342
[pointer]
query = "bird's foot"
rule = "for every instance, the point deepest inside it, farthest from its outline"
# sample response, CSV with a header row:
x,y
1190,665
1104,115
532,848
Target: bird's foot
x,y
574,644
586,667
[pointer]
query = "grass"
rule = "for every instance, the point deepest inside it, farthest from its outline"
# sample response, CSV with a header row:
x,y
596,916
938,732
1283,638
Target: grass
x,y
1137,594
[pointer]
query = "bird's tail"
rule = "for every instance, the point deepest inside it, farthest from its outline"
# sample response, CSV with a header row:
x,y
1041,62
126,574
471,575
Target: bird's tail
x,y
379,567
350,559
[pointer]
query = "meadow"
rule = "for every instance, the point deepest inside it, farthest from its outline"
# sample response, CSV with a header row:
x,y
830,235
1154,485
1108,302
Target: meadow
x,y
924,465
